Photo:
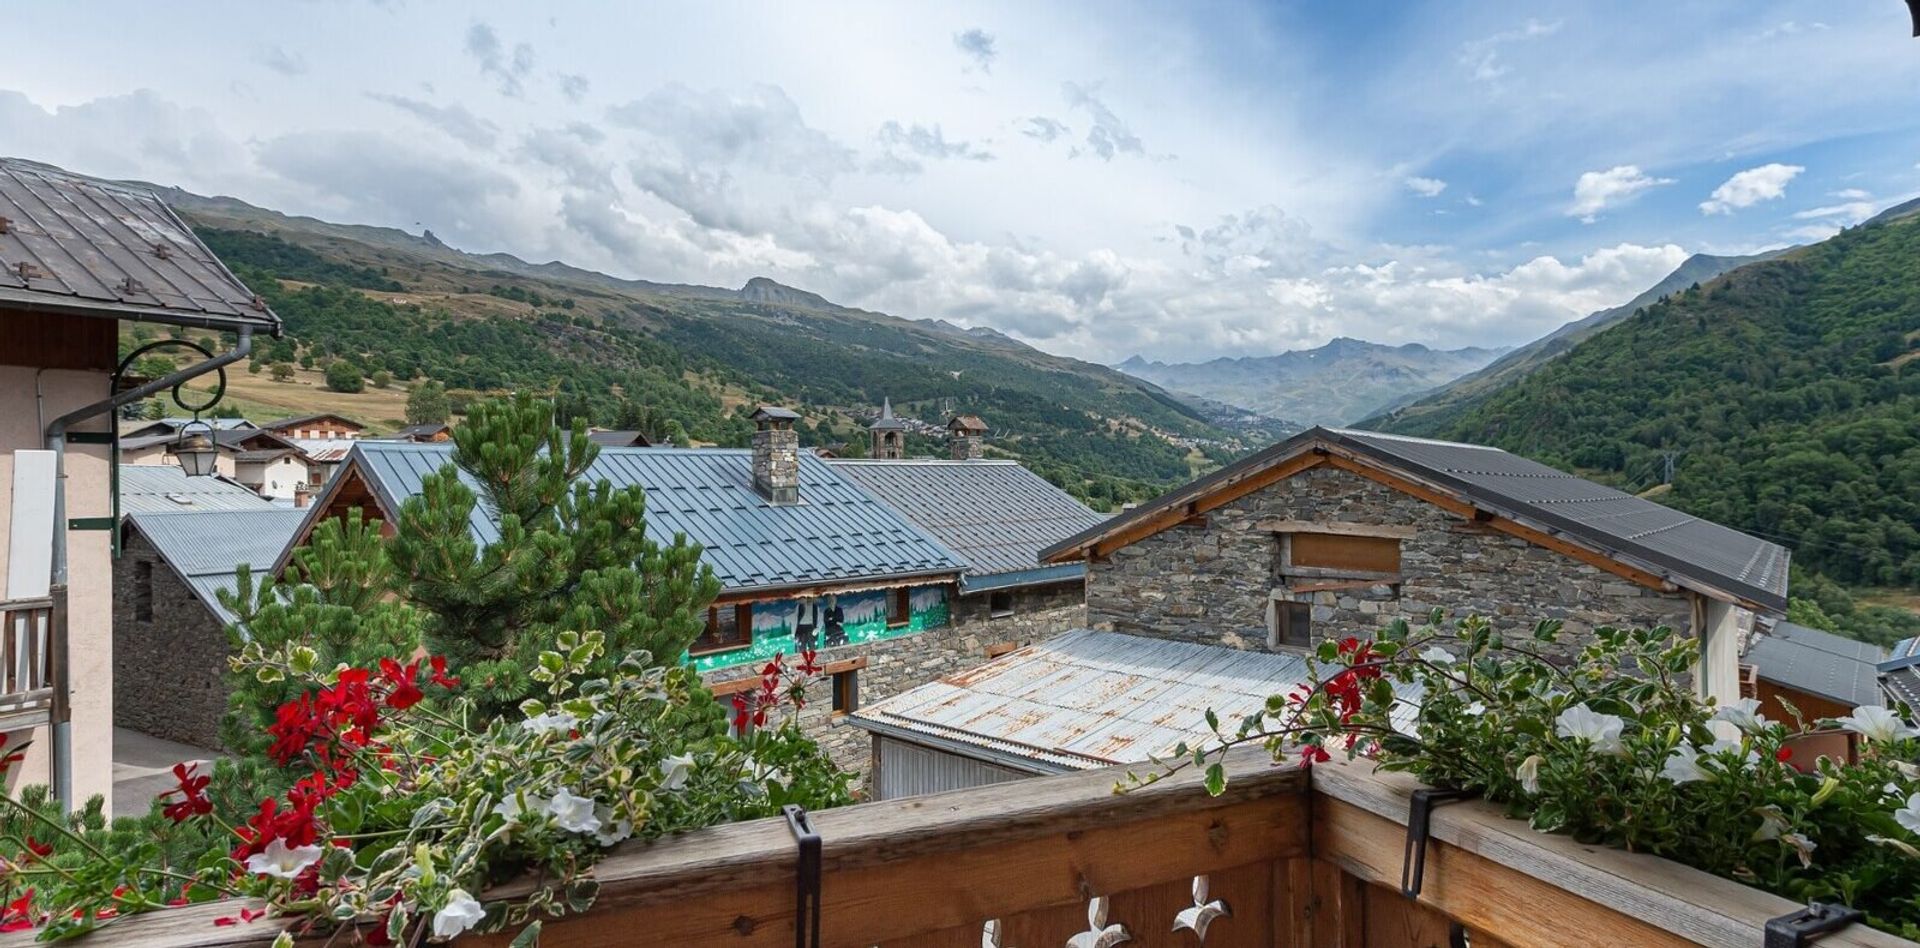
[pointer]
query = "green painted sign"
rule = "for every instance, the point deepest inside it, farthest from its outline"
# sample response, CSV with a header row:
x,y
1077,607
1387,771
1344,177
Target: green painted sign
x,y
789,626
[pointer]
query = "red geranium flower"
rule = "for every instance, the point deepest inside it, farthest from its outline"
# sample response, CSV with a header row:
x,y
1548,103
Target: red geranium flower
x,y
38,848
192,792
1311,754
19,914
1783,754
440,677
808,666
404,694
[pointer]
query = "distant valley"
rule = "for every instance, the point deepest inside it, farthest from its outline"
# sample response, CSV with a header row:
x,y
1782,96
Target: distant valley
x,y
1339,383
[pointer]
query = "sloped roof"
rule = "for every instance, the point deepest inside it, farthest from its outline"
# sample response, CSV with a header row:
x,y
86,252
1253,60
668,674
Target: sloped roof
x,y
886,421
173,426
1818,663
206,547
996,514
97,248
1692,552
1900,671
1086,699
619,439
279,423
165,488
838,532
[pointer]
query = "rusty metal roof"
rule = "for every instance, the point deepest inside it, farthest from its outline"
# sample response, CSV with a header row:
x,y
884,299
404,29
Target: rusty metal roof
x,y
1087,699
79,245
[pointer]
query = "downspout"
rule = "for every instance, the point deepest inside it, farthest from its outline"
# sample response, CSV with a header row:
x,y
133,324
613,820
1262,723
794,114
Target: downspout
x,y
62,745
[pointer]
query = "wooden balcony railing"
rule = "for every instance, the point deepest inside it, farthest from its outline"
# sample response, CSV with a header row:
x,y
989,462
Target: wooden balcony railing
x,y
32,654
1286,859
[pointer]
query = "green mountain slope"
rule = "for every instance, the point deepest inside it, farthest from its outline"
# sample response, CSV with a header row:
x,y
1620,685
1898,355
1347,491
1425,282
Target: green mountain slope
x,y
1336,384
681,358
1789,389
1433,409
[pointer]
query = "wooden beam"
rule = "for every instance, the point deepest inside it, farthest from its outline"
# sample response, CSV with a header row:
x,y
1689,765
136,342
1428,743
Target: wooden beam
x,y
1497,875
1339,528
1372,472
1217,497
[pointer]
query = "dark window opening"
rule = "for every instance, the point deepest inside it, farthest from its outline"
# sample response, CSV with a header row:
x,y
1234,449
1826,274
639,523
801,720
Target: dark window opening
x,y
1293,624
1000,604
846,691
899,606
143,590
728,627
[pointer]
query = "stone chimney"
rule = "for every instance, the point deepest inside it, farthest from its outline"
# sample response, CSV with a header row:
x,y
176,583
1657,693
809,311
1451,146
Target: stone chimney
x,y
964,436
889,434
776,455
302,495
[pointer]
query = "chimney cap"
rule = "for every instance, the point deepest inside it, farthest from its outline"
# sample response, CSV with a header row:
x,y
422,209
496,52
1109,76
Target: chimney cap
x,y
774,413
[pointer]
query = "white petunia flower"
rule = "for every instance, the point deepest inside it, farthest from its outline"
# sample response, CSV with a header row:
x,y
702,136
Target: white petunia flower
x,y
1529,774
1876,723
461,912
674,770
1683,765
1600,730
1437,655
550,722
1909,815
1727,746
1773,823
281,861
1802,847
573,814
611,830
1743,714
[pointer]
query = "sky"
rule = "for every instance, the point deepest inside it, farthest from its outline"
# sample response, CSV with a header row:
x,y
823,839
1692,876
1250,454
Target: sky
x,y
1179,181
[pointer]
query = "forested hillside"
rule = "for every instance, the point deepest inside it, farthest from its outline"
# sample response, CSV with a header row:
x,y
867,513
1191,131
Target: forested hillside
x,y
690,361
1787,390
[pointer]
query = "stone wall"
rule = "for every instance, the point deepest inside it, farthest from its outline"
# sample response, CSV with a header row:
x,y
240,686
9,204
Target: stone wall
x,y
169,674
896,665
1211,583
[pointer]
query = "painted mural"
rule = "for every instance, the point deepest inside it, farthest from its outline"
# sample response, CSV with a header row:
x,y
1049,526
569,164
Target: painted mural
x,y
790,626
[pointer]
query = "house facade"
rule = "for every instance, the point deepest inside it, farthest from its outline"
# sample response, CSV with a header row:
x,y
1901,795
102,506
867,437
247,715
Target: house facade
x,y
318,427
1336,532
80,255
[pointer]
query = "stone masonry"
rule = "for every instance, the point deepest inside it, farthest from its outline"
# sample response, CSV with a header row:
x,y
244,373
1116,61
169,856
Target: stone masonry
x,y
776,463
1211,583
169,672
896,665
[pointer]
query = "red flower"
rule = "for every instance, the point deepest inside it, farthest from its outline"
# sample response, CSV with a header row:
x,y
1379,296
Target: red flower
x,y
19,914
808,666
741,713
1311,754
38,848
1783,754
19,754
440,677
404,694
192,792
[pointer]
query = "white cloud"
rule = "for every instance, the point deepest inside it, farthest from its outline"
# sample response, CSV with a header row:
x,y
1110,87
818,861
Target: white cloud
x,y
902,147
508,70
1849,213
1109,135
1481,57
1852,194
454,120
977,45
1425,187
1747,188
1596,191
280,60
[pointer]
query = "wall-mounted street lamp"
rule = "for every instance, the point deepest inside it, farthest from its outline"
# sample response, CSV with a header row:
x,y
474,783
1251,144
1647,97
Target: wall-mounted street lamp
x,y
194,451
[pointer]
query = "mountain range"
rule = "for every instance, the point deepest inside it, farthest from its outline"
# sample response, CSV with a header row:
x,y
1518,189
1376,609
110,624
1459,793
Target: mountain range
x,y
1336,384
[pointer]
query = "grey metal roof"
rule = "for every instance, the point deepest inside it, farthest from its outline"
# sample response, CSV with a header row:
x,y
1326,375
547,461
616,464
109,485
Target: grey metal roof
x,y
173,426
996,514
1818,663
1900,671
207,547
886,421
97,248
619,439
164,488
1632,529
1086,699
838,531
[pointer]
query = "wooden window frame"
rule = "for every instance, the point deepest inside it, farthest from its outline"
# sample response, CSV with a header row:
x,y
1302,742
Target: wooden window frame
x,y
845,687
742,630
1287,614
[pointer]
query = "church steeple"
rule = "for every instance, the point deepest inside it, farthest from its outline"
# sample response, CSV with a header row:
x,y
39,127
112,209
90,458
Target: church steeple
x,y
889,434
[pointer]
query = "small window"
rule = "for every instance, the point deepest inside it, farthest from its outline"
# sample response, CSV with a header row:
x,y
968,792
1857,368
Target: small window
x,y
143,590
1000,604
1292,624
846,691
1337,552
728,627
899,606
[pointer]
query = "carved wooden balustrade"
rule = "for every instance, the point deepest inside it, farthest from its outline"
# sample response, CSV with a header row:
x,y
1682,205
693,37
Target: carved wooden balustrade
x,y
1283,858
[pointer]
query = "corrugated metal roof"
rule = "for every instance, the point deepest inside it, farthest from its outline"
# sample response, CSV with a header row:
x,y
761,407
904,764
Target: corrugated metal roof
x,y
206,547
838,531
1818,663
1088,699
1900,671
324,450
996,514
164,488
94,247
1621,525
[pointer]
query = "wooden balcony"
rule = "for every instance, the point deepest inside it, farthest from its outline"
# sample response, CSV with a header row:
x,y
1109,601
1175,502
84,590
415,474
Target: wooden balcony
x,y
32,655
1287,859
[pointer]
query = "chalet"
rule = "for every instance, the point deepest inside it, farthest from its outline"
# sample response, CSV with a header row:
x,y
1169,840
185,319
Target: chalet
x,y
429,433
77,256
267,463
170,643
1821,674
324,426
1334,532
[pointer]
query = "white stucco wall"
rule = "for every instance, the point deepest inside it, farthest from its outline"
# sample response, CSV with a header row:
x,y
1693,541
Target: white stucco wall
x,y
90,568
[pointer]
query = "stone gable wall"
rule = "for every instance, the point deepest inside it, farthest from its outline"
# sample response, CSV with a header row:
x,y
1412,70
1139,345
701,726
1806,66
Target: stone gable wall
x,y
1210,584
169,674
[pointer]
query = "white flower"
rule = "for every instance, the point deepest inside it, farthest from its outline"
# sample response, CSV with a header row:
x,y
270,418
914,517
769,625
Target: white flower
x,y
460,913
283,862
1802,846
550,722
1876,723
1529,774
1600,730
1476,709
1909,815
573,814
1901,845
612,830
511,810
1743,714
1683,765
674,770
1773,823
1437,655
1726,746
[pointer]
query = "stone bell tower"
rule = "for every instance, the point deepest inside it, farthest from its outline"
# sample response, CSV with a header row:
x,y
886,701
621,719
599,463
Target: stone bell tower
x,y
889,434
